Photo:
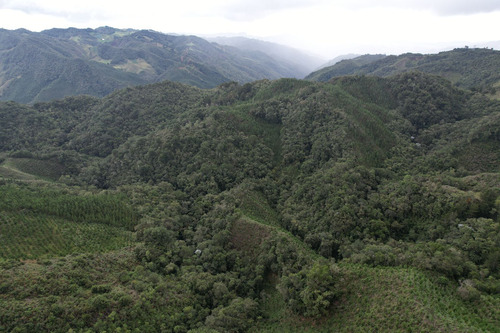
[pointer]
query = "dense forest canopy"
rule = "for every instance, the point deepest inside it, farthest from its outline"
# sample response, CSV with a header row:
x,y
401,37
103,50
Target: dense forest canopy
x,y
361,203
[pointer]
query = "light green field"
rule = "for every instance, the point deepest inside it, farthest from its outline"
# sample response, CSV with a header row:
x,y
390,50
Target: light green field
x,y
389,300
42,220
30,169
28,236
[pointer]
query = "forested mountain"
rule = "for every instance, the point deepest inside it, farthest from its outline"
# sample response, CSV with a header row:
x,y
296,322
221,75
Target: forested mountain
x,y
469,68
65,62
359,204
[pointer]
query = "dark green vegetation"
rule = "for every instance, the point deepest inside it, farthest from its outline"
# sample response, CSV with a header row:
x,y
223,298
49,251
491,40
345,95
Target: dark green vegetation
x,y
62,62
469,68
361,204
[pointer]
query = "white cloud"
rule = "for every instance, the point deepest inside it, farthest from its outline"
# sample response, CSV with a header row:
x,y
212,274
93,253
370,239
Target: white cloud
x,y
327,27
465,7
257,9
441,7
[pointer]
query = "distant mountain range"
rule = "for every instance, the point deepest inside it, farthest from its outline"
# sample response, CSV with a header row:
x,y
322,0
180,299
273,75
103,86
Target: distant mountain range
x,y
302,62
52,64
60,62
470,68
338,59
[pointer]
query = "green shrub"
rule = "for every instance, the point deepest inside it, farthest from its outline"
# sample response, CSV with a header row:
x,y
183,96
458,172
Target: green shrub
x,y
101,289
468,292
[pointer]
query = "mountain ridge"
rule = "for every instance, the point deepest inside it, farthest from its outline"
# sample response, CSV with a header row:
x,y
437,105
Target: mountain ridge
x,y
471,68
59,62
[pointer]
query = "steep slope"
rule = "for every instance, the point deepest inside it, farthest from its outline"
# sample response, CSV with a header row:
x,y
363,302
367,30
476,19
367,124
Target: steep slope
x,y
467,67
63,62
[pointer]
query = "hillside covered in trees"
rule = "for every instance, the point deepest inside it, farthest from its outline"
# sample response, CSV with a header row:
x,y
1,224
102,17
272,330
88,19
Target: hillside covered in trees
x,y
470,68
360,204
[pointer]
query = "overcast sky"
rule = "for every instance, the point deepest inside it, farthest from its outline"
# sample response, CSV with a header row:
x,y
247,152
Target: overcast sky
x,y
324,27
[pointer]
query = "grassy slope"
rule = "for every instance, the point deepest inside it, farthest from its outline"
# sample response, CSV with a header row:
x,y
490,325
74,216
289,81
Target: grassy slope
x,y
390,300
28,168
373,299
29,236
41,220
